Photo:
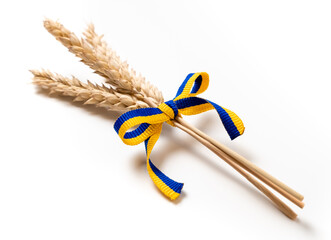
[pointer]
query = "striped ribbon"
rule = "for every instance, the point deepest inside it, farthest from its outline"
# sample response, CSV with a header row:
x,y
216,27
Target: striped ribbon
x,y
149,124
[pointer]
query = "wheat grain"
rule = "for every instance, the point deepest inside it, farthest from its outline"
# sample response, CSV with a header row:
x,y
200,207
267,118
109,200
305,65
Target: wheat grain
x,y
89,93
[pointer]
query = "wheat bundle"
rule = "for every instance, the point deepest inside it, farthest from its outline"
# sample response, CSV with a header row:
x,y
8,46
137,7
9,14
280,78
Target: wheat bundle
x,y
125,91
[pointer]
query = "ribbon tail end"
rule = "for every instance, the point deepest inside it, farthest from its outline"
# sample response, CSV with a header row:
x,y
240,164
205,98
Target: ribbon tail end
x,y
167,186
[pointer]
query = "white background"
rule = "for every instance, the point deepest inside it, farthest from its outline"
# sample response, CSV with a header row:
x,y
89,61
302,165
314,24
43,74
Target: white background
x,y
65,174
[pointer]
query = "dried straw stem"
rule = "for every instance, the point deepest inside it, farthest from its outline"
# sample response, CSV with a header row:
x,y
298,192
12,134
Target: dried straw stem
x,y
259,173
89,93
279,203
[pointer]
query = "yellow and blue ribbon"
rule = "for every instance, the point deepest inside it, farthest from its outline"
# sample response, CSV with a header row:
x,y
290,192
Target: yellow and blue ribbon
x,y
150,120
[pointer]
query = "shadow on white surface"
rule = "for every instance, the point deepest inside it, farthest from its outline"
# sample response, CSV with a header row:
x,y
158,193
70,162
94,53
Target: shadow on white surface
x,y
188,144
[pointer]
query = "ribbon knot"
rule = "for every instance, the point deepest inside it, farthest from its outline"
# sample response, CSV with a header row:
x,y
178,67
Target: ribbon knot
x,y
170,109
150,120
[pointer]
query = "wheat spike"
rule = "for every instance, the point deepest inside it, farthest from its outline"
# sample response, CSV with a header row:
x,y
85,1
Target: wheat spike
x,y
83,50
95,53
89,93
138,81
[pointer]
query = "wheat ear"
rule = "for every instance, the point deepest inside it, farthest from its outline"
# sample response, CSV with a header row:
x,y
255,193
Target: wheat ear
x,y
104,51
95,53
89,93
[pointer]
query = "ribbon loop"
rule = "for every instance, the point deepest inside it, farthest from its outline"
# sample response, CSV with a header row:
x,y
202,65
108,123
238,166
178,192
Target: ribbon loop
x,y
194,84
149,122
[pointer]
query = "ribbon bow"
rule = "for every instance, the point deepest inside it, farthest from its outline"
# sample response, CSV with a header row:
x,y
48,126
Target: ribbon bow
x,y
150,122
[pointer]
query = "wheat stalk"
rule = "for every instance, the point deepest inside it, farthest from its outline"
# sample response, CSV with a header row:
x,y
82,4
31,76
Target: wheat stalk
x,y
88,93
